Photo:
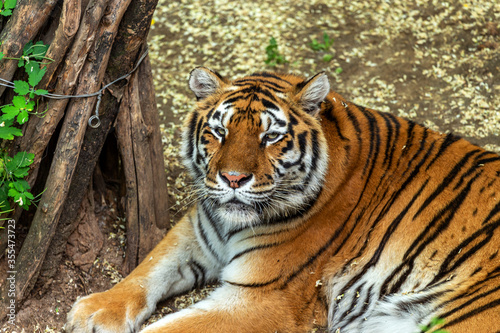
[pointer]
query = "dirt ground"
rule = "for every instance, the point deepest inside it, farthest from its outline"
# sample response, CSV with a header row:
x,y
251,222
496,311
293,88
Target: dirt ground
x,y
436,62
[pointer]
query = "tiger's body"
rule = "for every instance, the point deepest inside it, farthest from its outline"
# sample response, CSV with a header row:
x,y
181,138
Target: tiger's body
x,y
313,210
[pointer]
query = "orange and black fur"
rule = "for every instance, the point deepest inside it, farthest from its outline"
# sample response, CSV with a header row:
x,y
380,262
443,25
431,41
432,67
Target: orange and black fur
x,y
313,210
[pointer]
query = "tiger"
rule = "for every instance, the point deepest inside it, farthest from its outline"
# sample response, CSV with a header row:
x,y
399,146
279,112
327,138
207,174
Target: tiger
x,y
313,211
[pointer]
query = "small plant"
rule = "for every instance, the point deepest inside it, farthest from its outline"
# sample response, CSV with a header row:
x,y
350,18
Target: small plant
x,y
327,42
14,169
434,322
6,7
22,104
273,56
12,173
325,47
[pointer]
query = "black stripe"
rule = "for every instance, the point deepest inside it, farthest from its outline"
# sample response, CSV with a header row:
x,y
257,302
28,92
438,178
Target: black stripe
x,y
269,105
205,239
446,214
374,141
355,123
390,144
446,181
492,213
328,114
277,121
314,159
255,284
450,138
388,207
191,134
271,85
248,92
198,272
211,220
364,308
446,267
267,74
474,311
302,146
469,172
489,160
254,248
354,303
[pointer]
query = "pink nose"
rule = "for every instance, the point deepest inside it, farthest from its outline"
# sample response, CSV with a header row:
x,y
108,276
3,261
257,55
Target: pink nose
x,y
235,179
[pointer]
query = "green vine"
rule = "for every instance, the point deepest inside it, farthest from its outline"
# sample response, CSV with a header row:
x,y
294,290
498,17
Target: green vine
x,y
14,169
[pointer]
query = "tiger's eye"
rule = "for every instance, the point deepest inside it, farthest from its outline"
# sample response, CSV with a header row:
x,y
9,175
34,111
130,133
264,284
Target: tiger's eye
x,y
271,136
220,131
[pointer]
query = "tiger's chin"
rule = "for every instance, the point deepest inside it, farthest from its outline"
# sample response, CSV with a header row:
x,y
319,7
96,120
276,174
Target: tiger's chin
x,y
238,213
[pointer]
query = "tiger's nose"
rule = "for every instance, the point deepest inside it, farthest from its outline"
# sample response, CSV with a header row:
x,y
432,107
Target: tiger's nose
x,y
235,179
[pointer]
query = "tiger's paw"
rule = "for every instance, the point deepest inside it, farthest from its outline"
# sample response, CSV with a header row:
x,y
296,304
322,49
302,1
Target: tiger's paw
x,y
107,312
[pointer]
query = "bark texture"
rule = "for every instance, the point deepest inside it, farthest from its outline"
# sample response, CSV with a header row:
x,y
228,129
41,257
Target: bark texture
x,y
92,43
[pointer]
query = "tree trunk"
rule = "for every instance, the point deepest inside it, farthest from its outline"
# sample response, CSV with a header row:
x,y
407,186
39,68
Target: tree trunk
x,y
93,43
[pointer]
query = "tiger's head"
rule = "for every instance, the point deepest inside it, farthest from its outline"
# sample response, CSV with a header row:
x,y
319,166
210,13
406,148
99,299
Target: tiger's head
x,y
254,146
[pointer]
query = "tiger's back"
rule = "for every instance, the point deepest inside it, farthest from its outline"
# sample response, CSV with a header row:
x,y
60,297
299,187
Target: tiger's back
x,y
422,238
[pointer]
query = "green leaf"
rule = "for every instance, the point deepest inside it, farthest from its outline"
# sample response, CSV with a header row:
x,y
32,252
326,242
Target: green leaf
x,y
39,50
21,185
10,4
20,198
423,328
27,49
7,132
40,92
327,57
437,321
315,45
21,87
6,12
19,101
22,117
326,41
30,106
35,73
21,172
1,55
20,160
9,112
338,70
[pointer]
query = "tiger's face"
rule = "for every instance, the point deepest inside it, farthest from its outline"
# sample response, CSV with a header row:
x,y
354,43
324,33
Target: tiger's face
x,y
254,146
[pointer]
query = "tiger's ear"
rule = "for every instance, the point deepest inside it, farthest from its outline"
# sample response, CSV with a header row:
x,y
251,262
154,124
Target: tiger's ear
x,y
312,92
205,82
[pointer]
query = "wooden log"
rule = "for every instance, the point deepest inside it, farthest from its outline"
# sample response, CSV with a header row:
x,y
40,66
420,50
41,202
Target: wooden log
x,y
149,234
125,145
69,22
39,131
125,50
44,224
152,121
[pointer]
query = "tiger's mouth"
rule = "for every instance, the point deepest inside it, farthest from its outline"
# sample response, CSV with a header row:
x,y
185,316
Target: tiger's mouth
x,y
236,211
236,205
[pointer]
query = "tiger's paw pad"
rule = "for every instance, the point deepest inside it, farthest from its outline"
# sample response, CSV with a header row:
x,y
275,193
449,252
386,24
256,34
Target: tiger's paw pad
x,y
103,313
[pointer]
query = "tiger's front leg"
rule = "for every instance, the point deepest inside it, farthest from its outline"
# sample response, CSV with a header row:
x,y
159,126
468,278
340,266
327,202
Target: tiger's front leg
x,y
174,266
235,309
